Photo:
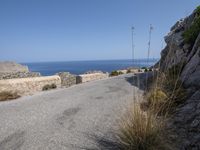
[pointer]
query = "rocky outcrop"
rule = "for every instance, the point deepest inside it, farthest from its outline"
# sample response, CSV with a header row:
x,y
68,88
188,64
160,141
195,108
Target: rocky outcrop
x,y
10,70
186,56
67,79
12,67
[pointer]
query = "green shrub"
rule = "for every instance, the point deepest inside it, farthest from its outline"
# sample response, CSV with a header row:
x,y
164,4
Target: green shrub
x,y
7,95
191,34
128,71
145,70
116,73
49,86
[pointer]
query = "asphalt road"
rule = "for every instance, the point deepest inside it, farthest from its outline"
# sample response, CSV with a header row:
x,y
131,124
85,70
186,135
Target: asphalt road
x,y
72,118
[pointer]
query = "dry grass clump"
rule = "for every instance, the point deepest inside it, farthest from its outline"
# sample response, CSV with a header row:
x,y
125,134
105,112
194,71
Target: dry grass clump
x,y
157,96
166,91
141,131
8,95
49,87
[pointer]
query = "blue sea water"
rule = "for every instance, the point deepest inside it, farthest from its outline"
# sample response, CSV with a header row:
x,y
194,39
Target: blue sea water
x,y
79,67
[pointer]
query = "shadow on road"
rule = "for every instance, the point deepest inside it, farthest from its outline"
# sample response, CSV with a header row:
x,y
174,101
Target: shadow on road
x,y
100,142
139,80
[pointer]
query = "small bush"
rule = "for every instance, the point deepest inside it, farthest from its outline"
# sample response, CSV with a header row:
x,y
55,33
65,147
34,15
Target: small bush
x,y
128,71
141,131
116,73
49,86
145,70
7,95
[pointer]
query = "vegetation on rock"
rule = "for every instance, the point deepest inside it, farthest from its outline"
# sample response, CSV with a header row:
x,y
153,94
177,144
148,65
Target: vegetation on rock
x,y
115,73
141,131
191,34
8,95
156,97
49,86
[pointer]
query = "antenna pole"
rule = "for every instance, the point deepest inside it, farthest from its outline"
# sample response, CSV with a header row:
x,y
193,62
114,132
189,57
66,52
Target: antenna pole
x,y
149,47
133,57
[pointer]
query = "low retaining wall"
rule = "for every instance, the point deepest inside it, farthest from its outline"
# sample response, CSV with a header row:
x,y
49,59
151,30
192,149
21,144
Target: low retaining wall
x,y
91,77
26,86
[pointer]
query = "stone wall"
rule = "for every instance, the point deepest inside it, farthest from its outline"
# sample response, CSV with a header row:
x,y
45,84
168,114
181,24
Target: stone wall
x,y
91,77
12,75
67,79
26,86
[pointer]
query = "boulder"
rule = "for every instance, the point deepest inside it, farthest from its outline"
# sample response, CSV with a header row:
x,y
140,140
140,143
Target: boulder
x,y
67,79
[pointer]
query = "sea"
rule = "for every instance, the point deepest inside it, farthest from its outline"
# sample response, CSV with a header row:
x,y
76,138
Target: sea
x,y
80,67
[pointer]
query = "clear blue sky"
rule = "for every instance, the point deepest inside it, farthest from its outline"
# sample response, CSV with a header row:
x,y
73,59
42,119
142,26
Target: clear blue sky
x,y
64,30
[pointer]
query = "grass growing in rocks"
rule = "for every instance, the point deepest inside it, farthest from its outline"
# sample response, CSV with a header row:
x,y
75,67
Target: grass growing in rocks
x,y
7,95
49,87
144,129
115,73
141,131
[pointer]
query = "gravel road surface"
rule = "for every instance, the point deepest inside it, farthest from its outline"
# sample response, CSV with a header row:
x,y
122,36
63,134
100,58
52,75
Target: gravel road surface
x,y
72,118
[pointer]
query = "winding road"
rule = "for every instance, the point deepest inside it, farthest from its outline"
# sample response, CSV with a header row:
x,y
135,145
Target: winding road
x,y
72,118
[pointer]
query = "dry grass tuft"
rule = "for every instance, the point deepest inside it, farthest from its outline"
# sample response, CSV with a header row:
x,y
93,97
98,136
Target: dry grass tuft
x,y
141,131
7,95
49,87
156,97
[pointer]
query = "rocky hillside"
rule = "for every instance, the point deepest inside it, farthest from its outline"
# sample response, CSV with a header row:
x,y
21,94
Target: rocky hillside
x,y
8,67
9,70
182,52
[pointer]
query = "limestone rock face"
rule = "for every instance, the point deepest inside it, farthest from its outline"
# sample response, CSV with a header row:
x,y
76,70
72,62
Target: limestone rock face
x,y
178,52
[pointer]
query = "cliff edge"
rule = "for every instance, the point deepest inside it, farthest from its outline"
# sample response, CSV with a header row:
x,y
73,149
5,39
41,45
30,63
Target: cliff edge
x,y
182,52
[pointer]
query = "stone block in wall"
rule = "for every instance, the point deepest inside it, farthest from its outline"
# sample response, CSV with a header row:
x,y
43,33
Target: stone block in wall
x,y
91,77
67,79
25,86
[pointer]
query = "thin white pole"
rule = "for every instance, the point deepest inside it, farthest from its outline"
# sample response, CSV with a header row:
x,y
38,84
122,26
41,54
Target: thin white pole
x,y
148,55
133,58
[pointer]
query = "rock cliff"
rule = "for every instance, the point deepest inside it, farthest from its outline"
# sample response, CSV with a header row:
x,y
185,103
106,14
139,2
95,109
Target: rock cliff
x,y
183,51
